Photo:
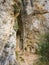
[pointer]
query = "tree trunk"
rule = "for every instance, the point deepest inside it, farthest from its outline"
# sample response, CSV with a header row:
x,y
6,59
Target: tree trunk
x,y
7,33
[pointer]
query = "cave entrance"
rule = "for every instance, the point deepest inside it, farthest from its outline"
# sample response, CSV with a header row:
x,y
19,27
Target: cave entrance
x,y
19,33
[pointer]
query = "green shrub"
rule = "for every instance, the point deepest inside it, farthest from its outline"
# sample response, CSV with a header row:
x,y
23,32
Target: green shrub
x,y
16,25
17,55
43,50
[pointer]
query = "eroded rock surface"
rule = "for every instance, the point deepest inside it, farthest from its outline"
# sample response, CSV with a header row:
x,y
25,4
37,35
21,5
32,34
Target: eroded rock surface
x,y
36,23
7,33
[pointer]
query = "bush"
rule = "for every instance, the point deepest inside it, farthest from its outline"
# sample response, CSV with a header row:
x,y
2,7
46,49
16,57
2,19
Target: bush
x,y
43,50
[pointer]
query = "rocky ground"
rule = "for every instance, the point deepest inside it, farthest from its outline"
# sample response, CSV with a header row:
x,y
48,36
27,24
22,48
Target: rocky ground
x,y
26,58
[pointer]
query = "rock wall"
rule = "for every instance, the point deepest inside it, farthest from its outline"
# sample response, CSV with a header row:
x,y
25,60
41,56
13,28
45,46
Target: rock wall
x,y
35,23
7,33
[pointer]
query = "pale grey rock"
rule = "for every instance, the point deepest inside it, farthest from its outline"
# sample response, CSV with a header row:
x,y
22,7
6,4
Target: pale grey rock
x,y
29,9
7,33
45,4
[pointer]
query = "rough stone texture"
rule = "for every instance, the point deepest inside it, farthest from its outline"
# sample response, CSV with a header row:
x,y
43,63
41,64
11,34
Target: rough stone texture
x,y
44,3
35,24
7,34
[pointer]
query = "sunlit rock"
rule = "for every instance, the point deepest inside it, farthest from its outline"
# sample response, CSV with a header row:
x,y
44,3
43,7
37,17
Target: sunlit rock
x,y
7,33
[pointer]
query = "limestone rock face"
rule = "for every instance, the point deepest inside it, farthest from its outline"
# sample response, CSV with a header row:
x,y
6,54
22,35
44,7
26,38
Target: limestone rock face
x,y
44,3
36,24
7,33
27,7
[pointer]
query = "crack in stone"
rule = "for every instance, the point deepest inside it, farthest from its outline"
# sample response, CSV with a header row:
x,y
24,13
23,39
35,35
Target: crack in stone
x,y
37,12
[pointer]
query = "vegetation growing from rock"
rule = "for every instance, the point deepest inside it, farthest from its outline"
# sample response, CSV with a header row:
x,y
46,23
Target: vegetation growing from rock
x,y
21,24
43,50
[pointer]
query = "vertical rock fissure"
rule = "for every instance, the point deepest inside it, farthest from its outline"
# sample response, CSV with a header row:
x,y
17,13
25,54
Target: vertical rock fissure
x,y
20,32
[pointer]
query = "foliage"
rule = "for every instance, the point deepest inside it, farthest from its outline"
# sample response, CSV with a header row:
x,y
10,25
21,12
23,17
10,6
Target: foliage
x,y
16,55
16,25
43,50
